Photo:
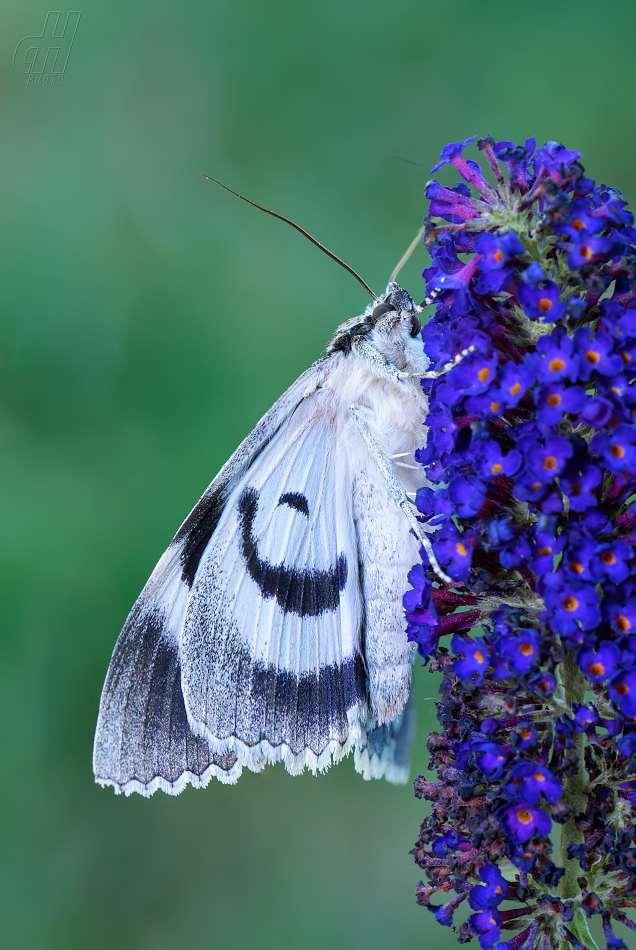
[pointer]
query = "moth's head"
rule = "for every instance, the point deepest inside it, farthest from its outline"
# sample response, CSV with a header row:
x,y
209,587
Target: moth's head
x,y
391,323
395,311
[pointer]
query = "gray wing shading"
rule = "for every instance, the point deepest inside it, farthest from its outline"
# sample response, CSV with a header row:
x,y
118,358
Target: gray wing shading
x,y
143,739
386,750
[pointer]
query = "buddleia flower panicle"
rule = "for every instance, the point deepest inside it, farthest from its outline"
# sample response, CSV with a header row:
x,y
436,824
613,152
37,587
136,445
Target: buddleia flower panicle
x,y
530,461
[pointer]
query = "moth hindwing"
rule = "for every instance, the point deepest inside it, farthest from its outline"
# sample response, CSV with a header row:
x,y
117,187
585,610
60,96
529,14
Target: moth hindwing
x,y
272,628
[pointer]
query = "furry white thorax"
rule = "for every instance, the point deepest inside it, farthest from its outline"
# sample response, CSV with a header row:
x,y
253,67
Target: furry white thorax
x,y
398,410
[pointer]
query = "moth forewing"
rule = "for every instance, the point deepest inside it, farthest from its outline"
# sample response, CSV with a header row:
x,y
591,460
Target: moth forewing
x,y
272,662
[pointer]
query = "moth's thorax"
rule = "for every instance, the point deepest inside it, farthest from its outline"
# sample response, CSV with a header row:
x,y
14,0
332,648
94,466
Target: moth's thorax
x,y
397,413
389,324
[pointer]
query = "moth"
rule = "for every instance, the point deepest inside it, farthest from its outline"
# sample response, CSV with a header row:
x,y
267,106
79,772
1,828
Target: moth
x,y
272,628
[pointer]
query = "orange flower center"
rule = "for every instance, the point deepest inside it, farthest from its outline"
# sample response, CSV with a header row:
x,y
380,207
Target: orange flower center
x,y
585,251
461,548
544,551
576,489
524,815
498,256
554,400
597,669
550,463
592,357
577,224
525,733
479,656
617,451
622,623
527,649
570,603
540,777
496,468
484,374
545,305
608,557
622,689
626,358
576,567
494,407
556,365
515,389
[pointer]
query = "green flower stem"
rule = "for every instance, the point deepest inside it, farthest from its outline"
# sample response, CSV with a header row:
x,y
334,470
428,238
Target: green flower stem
x,y
574,785
581,930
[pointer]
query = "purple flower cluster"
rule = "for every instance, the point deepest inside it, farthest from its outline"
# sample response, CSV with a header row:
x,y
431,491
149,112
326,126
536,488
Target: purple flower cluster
x,y
531,450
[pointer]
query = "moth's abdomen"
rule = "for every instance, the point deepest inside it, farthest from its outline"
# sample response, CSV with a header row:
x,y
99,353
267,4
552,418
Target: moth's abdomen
x,y
387,551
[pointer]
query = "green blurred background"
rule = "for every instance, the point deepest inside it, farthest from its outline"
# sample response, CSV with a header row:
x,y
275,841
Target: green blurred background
x,y
148,320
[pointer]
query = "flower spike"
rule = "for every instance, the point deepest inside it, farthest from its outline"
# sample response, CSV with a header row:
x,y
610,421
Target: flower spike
x,y
530,498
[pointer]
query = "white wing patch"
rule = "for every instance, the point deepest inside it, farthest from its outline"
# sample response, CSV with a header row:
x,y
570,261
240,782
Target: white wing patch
x,y
276,557
272,665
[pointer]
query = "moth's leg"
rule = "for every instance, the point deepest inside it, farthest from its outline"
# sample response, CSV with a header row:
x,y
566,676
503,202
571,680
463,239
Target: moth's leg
x,y
380,366
446,368
397,492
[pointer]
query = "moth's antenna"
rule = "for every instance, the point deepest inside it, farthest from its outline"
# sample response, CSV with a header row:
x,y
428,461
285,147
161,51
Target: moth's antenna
x,y
298,228
434,294
402,261
435,374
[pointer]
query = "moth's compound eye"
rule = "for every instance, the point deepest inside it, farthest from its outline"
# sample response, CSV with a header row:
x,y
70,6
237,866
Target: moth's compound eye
x,y
381,309
416,325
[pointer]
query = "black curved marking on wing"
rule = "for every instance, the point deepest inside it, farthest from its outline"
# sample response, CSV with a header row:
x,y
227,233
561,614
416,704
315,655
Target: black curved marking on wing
x,y
295,500
305,593
202,522
197,531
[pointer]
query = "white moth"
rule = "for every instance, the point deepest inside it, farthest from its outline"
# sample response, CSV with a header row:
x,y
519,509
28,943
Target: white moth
x,y
272,628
